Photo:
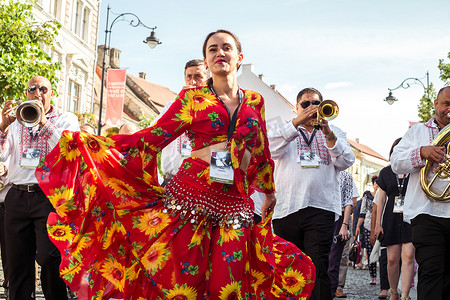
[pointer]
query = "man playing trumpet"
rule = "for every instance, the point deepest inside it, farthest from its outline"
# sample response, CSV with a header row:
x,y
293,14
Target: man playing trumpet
x,y
430,219
27,207
308,159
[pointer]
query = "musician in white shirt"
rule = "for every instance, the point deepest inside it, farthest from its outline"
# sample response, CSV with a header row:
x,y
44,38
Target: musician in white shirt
x,y
27,207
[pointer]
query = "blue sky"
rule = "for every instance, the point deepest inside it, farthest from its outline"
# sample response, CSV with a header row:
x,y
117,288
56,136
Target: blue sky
x,y
351,50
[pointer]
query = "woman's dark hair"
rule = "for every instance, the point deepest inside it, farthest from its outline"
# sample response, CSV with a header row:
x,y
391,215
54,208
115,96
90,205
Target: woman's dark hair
x,y
236,41
393,146
374,178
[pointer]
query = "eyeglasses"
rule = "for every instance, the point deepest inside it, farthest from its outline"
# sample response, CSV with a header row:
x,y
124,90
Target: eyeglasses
x,y
306,103
31,89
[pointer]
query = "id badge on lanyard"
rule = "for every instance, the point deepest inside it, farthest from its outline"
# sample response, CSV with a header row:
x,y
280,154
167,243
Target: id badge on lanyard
x,y
185,147
308,159
220,168
31,156
399,201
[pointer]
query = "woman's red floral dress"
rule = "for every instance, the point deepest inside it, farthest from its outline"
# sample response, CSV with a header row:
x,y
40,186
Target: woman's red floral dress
x,y
121,235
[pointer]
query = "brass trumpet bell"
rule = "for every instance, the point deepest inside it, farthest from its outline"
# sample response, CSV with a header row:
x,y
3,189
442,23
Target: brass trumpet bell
x,y
435,178
327,110
28,113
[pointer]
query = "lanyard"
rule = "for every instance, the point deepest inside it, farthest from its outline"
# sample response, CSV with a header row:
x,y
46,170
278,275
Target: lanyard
x,y
33,137
400,185
313,134
233,119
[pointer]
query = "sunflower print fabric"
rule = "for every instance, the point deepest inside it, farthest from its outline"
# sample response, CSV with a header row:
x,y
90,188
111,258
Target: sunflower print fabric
x,y
121,235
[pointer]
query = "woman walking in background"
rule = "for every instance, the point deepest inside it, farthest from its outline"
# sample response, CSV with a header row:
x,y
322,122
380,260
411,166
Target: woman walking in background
x,y
365,217
397,234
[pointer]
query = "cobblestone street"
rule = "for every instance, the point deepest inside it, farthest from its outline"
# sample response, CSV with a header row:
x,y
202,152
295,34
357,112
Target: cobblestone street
x,y
357,286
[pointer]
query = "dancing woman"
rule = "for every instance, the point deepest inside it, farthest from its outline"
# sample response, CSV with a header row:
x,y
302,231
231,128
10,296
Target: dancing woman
x,y
123,236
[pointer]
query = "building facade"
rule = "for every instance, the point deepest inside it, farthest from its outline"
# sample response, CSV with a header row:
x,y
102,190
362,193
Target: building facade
x,y
367,164
142,99
279,109
75,47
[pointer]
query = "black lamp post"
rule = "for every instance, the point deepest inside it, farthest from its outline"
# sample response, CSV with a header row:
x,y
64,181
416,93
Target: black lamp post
x,y
390,99
152,41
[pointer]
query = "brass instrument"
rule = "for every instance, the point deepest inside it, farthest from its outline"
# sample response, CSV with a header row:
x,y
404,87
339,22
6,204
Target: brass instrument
x,y
327,110
28,113
436,183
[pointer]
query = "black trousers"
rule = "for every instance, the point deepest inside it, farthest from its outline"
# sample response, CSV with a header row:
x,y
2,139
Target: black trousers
x,y
431,238
311,229
3,243
26,241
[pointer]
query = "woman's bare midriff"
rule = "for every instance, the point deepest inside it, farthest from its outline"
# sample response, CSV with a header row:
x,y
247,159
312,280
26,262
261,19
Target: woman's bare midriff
x,y
205,154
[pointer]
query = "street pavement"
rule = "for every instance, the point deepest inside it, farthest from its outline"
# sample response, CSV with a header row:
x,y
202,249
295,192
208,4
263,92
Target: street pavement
x,y
357,287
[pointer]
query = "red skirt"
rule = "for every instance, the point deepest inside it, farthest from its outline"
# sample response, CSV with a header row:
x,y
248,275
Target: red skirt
x,y
122,236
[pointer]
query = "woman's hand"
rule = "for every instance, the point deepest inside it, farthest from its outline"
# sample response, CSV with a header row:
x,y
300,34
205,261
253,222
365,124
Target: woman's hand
x,y
357,231
378,230
268,206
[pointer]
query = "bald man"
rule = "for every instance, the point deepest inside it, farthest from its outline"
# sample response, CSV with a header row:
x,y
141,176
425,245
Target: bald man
x,y
27,207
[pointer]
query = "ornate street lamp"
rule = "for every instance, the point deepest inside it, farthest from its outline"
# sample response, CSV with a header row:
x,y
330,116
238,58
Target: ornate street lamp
x,y
152,41
390,99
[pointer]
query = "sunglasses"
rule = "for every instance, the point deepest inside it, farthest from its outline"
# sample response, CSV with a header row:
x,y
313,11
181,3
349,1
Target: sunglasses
x,y
306,103
31,89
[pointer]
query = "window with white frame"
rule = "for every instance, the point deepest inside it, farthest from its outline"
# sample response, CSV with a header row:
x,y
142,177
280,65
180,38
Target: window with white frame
x,y
77,17
85,24
56,9
81,20
73,96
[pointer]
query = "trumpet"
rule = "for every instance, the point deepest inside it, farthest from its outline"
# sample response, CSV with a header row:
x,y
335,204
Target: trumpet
x,y
327,110
28,113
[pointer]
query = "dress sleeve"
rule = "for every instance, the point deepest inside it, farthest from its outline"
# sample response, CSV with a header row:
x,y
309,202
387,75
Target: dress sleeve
x,y
260,171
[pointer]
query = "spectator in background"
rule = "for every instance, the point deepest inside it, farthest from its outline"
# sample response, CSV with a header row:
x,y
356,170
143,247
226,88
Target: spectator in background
x,y
365,217
128,128
341,229
195,75
344,259
4,188
397,234
86,127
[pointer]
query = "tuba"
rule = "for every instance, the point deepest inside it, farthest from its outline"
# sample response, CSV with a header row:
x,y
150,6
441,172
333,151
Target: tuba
x,y
28,113
436,182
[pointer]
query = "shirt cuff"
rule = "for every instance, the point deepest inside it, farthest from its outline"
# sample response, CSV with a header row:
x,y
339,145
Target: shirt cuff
x,y
416,159
337,149
289,132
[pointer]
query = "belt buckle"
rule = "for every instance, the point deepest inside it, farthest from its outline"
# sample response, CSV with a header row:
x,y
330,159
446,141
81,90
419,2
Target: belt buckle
x,y
30,188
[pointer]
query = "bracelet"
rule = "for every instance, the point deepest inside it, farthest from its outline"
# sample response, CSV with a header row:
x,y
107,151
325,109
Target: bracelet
x,y
332,137
345,224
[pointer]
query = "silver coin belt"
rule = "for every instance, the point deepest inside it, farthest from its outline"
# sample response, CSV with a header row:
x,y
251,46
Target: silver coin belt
x,y
191,205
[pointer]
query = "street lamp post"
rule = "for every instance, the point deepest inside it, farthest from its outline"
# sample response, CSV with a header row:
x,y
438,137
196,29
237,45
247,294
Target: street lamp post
x,y
390,99
152,41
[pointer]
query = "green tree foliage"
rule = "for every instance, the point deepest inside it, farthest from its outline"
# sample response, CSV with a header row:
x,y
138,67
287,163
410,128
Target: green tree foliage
x,y
145,121
22,55
445,70
426,104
